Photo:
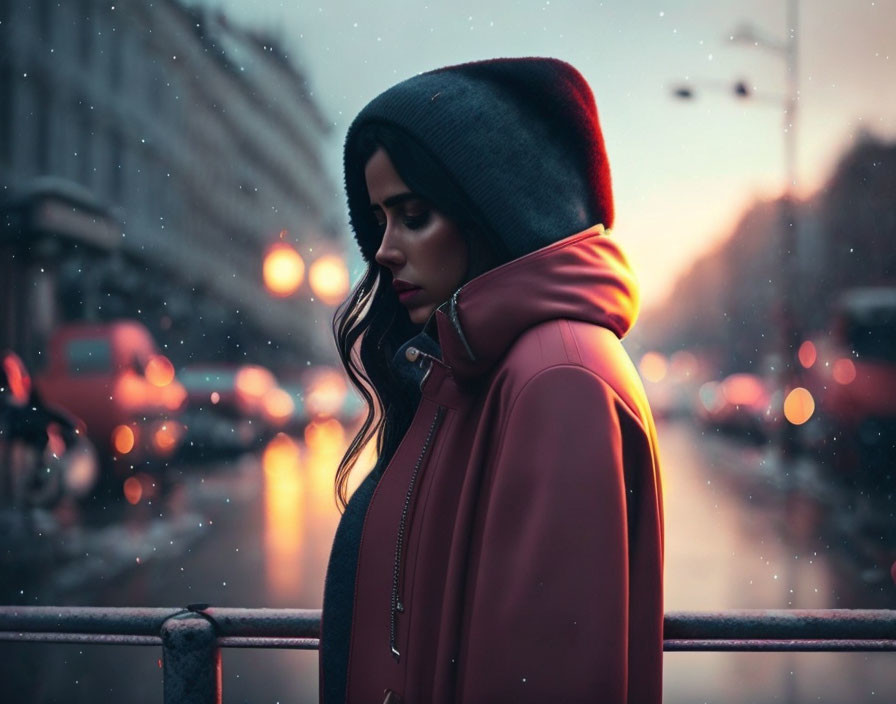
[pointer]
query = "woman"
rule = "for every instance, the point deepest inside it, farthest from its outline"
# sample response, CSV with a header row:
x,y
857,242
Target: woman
x,y
508,544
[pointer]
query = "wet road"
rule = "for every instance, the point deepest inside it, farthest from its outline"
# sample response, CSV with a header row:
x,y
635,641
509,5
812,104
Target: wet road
x,y
742,532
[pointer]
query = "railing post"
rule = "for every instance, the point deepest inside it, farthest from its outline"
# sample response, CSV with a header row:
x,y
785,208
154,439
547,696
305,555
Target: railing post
x,y
191,660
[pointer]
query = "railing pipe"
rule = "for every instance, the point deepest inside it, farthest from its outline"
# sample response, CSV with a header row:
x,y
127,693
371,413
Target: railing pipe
x,y
191,660
792,629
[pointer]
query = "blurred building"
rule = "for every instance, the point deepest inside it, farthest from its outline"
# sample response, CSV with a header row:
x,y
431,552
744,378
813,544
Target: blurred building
x,y
149,155
727,307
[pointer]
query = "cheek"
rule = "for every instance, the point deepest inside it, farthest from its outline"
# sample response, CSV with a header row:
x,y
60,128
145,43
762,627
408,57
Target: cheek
x,y
449,255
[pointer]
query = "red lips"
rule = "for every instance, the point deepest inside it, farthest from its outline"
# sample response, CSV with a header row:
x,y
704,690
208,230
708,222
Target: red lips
x,y
403,286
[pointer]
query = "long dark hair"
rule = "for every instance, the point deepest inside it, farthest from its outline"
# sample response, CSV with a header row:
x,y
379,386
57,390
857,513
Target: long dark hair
x,y
371,324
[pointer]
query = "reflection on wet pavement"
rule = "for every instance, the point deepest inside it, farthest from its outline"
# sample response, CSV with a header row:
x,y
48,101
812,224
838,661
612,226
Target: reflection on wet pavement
x,y
742,532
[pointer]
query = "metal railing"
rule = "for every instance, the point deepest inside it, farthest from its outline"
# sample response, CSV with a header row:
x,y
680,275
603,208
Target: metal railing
x,y
191,638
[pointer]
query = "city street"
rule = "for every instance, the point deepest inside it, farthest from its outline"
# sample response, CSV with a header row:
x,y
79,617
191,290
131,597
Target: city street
x,y
742,532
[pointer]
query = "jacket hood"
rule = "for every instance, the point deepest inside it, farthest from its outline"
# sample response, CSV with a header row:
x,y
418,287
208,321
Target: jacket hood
x,y
520,137
585,276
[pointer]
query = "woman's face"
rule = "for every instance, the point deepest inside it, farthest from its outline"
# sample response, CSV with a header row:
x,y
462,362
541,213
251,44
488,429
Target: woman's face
x,y
423,249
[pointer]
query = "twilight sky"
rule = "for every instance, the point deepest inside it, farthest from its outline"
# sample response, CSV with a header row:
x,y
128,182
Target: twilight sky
x,y
683,171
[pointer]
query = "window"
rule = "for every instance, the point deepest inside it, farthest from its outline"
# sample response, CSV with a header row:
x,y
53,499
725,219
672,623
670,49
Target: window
x,y
43,125
114,166
84,138
88,356
6,112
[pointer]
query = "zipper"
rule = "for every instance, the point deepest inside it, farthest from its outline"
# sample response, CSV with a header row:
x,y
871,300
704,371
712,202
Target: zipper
x,y
455,321
398,566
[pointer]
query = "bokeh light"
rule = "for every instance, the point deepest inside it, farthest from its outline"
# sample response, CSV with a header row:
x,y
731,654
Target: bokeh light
x,y
844,371
325,395
278,405
323,435
683,364
133,490
653,366
743,390
123,439
799,406
283,269
710,395
807,354
165,438
328,278
159,371
254,382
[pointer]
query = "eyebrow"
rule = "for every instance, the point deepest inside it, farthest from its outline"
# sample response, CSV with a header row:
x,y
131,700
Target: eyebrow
x,y
395,200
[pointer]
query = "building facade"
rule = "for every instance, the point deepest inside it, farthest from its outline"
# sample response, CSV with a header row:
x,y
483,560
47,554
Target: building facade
x,y
197,141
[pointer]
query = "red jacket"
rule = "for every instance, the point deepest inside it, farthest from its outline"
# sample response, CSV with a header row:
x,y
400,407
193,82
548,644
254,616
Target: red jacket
x,y
513,548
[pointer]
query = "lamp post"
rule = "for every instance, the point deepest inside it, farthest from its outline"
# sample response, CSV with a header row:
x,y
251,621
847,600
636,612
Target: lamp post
x,y
788,329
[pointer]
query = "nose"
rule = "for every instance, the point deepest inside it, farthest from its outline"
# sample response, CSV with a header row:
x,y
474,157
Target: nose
x,y
389,253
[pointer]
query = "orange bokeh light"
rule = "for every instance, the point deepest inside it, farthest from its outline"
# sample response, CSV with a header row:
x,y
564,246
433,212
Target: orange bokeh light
x,y
743,390
844,371
807,354
799,406
17,378
133,490
653,366
254,382
328,278
322,436
326,394
165,438
282,456
285,504
159,371
283,269
123,439
130,390
683,364
278,405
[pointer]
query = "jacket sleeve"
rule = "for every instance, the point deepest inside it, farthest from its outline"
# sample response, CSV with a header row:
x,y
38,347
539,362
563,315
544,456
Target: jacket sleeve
x,y
546,615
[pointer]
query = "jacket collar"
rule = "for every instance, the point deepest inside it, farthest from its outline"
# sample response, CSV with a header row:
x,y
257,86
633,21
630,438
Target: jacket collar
x,y
584,277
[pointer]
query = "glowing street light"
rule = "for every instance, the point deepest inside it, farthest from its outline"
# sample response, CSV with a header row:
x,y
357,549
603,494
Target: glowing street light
x,y
328,277
283,269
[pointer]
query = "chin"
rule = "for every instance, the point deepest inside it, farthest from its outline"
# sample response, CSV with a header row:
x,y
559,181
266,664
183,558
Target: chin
x,y
419,316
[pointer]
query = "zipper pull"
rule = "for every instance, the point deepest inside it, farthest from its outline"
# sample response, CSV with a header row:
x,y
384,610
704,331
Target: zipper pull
x,y
413,354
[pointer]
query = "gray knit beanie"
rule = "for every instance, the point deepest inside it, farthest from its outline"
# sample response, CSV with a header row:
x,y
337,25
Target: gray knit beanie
x,y
520,137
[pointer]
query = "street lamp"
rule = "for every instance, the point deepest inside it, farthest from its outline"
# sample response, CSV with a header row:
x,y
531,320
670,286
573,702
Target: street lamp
x,y
788,327
283,269
328,278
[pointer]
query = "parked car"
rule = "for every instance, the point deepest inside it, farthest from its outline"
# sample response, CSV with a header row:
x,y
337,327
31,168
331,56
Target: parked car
x,y
741,404
853,382
44,454
113,377
232,408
